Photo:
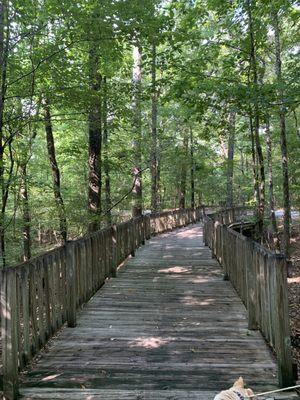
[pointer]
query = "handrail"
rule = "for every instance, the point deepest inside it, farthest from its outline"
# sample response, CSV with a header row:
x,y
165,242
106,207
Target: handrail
x,y
260,278
40,295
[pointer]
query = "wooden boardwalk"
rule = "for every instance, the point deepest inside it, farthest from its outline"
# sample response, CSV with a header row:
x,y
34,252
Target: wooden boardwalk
x,y
168,327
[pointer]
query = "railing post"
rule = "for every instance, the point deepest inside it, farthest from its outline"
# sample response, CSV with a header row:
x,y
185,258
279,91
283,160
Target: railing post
x,y
250,285
205,231
9,331
133,238
148,227
224,234
142,221
283,346
71,284
114,263
152,224
214,239
194,215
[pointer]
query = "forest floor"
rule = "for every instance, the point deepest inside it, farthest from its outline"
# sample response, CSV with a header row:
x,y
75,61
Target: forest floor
x,y
294,297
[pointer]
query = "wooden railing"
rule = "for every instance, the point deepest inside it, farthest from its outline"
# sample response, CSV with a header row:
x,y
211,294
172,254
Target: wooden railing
x,y
168,220
260,278
229,215
38,297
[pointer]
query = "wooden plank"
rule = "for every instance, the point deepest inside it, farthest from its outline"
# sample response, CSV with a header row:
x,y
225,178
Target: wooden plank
x,y
114,265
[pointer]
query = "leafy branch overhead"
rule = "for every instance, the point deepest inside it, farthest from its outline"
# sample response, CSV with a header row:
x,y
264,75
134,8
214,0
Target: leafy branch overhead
x,y
114,108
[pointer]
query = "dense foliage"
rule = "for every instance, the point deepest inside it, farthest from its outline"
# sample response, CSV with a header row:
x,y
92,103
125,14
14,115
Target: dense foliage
x,y
190,99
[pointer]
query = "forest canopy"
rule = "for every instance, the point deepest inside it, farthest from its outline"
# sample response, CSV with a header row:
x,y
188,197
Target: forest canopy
x,y
114,108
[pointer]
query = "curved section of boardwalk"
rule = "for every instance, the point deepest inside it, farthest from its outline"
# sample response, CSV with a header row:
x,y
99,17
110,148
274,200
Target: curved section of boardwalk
x,y
168,327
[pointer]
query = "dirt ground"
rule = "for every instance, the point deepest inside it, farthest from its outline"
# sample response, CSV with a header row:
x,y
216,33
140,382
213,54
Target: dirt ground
x,y
294,299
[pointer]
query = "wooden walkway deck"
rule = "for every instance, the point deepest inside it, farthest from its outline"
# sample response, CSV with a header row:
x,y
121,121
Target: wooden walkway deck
x,y
168,327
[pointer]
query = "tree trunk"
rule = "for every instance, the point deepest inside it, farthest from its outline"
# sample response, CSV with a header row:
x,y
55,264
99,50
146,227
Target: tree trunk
x,y
55,173
154,157
95,138
105,155
283,140
231,143
137,141
270,174
26,214
183,175
259,153
254,163
192,169
4,43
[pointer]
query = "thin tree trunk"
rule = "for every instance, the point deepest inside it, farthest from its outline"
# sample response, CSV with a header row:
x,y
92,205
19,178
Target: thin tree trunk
x,y
26,214
159,200
271,185
183,176
192,169
95,138
55,173
231,143
283,140
254,164
259,153
105,155
137,125
154,160
4,43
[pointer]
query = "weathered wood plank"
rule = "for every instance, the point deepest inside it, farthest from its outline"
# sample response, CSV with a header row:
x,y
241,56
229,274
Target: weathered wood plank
x,y
137,394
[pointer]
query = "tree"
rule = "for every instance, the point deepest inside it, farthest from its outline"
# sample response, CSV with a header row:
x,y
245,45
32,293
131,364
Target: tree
x,y
255,123
199,120
154,142
55,173
231,139
95,139
106,165
283,139
137,126
4,45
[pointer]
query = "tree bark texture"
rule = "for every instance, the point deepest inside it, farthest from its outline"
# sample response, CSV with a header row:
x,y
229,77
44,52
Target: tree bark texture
x,y
4,45
26,213
106,166
270,176
183,174
137,126
230,156
55,173
95,138
254,163
259,153
283,140
154,147
192,169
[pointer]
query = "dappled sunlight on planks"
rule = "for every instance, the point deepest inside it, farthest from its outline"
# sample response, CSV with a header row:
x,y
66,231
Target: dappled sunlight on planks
x,y
50,377
175,270
194,301
149,343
